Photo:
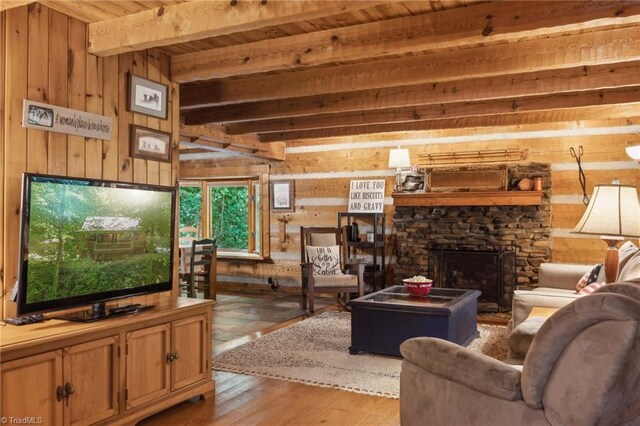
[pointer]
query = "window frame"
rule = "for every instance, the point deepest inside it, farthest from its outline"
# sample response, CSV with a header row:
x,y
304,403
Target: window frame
x,y
258,175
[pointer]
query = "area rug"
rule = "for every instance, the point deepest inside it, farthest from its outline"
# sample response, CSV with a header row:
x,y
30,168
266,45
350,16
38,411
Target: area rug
x,y
316,352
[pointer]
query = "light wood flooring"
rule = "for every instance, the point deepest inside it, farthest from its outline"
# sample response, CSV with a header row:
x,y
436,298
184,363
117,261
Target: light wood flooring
x,y
236,315
247,400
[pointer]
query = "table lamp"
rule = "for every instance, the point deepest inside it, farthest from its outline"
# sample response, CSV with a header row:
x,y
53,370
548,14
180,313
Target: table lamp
x,y
613,213
399,158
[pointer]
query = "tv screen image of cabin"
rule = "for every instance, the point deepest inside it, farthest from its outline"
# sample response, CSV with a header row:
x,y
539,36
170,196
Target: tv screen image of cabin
x,y
86,239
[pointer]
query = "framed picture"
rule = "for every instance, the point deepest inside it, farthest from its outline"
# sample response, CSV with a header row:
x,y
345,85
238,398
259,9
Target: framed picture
x,y
147,97
150,144
282,196
40,116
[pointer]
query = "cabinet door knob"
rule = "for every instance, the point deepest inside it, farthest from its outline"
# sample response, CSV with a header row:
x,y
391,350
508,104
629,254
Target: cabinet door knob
x,y
68,388
60,393
172,356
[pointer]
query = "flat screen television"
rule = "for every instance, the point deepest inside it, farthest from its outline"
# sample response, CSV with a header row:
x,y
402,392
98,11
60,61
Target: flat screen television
x,y
87,241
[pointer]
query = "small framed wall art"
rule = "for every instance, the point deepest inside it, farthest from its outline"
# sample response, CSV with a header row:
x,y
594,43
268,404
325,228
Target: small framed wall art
x,y
150,144
282,196
147,97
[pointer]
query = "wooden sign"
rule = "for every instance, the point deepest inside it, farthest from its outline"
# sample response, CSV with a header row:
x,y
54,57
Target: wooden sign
x,y
64,120
366,196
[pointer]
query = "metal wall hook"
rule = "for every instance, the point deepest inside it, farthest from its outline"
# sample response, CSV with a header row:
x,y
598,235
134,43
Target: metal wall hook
x,y
581,176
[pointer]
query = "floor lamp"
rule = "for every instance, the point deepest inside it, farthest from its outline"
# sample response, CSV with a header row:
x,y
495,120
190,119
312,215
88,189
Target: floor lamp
x,y
614,214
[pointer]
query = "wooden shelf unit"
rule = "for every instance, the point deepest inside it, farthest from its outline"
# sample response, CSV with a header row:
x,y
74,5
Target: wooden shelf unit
x,y
488,198
376,274
118,370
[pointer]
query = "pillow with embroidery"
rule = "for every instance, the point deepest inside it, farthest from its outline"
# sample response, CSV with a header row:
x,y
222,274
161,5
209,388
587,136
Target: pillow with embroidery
x,y
325,260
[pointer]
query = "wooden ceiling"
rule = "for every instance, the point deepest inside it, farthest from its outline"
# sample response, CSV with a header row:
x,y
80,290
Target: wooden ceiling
x,y
264,71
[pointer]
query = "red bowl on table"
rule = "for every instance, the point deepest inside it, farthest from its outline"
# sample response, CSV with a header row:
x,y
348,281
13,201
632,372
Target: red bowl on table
x,y
418,288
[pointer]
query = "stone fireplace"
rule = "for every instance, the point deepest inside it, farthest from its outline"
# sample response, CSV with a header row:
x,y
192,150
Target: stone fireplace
x,y
425,233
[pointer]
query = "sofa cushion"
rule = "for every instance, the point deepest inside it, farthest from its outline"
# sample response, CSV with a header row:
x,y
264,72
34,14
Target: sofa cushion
x,y
561,275
550,291
631,269
521,337
625,253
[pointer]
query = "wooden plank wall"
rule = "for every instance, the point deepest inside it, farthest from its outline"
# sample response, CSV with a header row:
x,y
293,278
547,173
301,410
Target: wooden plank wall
x,y
322,170
44,58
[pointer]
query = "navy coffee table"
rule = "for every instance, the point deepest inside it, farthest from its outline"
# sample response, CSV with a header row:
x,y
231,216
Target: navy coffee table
x,y
381,321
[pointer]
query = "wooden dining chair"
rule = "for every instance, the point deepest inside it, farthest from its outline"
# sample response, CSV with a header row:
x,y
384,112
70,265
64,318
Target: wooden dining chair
x,y
324,272
202,269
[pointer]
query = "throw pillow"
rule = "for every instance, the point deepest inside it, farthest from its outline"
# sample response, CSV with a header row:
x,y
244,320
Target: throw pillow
x,y
325,260
631,270
590,288
583,282
625,252
591,277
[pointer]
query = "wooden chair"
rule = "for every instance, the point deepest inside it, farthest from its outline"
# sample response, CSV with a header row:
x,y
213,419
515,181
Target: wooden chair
x,y
350,281
202,269
187,234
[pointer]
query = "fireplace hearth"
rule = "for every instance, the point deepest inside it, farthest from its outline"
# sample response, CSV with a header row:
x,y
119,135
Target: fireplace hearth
x,y
491,272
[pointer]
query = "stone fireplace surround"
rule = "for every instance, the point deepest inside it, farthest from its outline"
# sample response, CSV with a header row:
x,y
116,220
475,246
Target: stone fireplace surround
x,y
524,229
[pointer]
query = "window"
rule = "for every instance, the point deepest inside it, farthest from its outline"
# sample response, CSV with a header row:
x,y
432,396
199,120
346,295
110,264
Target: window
x,y
190,205
230,210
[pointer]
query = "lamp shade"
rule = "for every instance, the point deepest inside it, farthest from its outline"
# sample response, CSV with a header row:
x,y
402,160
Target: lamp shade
x,y
399,158
613,211
633,151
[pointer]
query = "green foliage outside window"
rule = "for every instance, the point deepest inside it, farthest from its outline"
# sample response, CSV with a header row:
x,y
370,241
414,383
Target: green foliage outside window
x,y
190,206
229,216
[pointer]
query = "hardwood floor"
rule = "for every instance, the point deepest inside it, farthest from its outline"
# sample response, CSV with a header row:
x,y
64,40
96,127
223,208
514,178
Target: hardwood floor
x,y
247,400
240,314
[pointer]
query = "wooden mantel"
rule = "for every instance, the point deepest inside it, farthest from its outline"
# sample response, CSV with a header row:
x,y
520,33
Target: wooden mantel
x,y
488,198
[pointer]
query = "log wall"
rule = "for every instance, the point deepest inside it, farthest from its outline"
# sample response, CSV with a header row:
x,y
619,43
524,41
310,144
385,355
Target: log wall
x,y
44,58
322,170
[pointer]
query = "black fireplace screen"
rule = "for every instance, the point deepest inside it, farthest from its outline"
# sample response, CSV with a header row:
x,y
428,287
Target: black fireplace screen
x,y
491,272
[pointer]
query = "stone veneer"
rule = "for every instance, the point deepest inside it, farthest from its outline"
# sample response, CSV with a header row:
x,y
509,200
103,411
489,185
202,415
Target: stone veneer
x,y
526,229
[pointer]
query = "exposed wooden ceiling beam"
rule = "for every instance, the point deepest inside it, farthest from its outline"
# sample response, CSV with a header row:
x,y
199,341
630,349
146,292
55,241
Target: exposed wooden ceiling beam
x,y
196,20
599,123
215,136
454,28
469,90
452,110
9,4
202,146
616,45
496,120
191,150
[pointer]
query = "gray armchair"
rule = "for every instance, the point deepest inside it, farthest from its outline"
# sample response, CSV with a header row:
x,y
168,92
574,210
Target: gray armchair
x,y
582,369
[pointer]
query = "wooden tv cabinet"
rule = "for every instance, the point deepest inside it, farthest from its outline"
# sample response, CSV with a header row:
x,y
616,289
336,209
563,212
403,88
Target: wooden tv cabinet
x,y
114,371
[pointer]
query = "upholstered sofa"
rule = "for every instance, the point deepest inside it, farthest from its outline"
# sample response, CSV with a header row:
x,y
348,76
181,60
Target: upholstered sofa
x,y
582,369
557,283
